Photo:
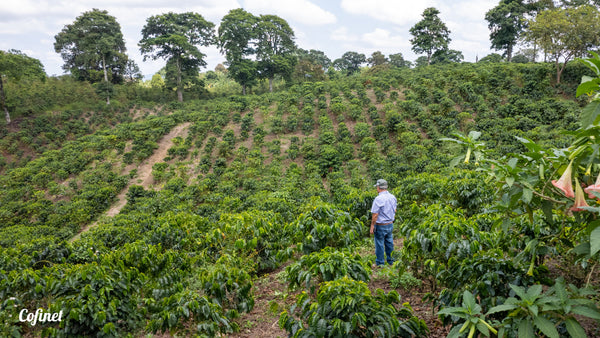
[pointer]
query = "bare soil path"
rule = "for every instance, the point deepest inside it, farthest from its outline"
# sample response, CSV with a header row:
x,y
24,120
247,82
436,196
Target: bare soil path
x,y
144,173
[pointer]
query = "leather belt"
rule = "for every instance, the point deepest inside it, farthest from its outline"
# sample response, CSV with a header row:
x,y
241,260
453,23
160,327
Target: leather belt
x,y
384,223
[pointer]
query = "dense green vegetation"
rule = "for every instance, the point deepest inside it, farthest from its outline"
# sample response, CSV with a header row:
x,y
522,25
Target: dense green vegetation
x,y
260,181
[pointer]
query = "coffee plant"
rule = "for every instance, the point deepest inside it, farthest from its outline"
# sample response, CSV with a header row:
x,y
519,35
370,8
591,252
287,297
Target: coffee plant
x,y
326,265
346,307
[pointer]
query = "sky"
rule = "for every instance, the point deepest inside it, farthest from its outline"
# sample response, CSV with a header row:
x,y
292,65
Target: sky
x,y
332,26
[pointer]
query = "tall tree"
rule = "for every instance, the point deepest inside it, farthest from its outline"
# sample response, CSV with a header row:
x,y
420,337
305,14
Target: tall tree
x,y
397,60
430,34
564,33
306,70
93,43
175,37
350,62
377,58
447,56
506,22
275,47
236,36
314,56
15,66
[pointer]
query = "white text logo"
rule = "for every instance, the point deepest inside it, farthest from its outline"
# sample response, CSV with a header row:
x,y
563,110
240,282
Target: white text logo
x,y
39,316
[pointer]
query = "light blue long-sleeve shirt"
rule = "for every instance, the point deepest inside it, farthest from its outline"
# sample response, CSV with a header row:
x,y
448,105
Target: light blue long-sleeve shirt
x,y
385,206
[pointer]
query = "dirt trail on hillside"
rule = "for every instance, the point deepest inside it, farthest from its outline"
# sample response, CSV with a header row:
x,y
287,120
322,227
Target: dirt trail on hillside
x,y
144,173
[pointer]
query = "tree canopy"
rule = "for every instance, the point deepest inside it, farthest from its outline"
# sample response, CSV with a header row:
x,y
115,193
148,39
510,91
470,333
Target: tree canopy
x,y
506,22
314,56
447,56
350,62
92,46
175,37
14,66
377,58
235,36
430,34
397,60
275,47
564,33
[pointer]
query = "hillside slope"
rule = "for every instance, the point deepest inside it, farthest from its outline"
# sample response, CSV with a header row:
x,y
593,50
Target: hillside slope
x,y
196,205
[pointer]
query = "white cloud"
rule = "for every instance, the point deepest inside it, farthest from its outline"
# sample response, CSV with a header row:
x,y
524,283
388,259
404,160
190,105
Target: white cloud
x,y
400,12
384,40
302,11
470,10
342,34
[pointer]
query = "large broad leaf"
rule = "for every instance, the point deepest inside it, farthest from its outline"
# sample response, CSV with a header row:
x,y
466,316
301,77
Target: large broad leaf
x,y
452,310
500,308
586,311
527,195
590,113
595,241
574,328
529,144
526,329
469,300
588,85
474,135
454,333
593,63
547,209
483,329
546,326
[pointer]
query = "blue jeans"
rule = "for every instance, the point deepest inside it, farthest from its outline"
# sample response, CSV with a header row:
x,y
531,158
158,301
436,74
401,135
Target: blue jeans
x,y
384,239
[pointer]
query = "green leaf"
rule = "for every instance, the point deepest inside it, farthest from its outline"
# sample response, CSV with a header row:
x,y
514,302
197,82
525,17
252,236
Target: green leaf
x,y
510,181
453,310
529,144
546,326
547,209
474,135
527,195
588,85
574,328
454,333
454,162
469,300
519,291
582,249
586,311
500,308
526,329
590,113
483,329
595,241
593,64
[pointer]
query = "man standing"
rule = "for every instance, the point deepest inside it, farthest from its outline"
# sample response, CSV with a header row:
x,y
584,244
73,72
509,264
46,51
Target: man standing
x,y
382,223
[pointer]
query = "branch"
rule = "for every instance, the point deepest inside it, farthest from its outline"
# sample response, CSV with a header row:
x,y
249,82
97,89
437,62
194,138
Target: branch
x,y
548,198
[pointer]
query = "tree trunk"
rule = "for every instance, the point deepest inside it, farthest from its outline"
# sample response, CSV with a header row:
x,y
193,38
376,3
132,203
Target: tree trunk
x,y
179,84
562,68
243,89
271,84
106,79
428,58
509,52
3,101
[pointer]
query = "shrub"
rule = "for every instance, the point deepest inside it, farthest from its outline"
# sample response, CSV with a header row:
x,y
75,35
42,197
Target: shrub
x,y
325,226
361,130
327,265
347,308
